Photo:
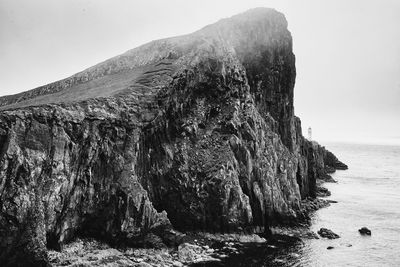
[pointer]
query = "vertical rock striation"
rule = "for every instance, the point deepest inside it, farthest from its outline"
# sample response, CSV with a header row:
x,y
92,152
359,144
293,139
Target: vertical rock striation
x,y
195,132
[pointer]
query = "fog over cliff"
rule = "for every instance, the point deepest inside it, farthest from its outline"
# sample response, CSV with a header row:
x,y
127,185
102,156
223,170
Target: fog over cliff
x,y
347,52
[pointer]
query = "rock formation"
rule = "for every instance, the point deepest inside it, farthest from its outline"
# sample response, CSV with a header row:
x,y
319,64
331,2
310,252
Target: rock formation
x,y
195,132
364,231
324,232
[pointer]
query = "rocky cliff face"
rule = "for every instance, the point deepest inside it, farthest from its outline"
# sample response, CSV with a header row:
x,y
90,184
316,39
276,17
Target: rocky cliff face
x,y
195,132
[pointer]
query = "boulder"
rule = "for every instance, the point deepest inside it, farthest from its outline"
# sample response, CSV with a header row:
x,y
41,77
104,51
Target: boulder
x,y
189,252
177,264
324,232
364,231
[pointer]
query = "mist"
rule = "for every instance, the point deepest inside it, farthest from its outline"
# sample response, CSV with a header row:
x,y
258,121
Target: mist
x,y
347,52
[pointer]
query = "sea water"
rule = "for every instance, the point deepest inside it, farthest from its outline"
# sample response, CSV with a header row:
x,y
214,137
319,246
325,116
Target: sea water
x,y
367,194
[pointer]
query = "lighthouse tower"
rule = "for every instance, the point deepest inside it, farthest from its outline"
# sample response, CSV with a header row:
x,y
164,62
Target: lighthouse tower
x,y
309,133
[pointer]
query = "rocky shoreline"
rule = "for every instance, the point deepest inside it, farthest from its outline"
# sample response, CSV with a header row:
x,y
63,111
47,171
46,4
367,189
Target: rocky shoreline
x,y
196,248
203,250
199,248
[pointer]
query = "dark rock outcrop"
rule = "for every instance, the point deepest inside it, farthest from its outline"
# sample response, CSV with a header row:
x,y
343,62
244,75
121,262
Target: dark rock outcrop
x,y
324,232
192,132
332,163
364,231
323,192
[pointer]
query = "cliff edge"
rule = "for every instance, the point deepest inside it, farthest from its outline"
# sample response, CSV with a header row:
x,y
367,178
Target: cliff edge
x,y
195,132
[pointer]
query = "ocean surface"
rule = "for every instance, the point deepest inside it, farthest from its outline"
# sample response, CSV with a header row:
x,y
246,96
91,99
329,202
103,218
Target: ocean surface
x,y
368,194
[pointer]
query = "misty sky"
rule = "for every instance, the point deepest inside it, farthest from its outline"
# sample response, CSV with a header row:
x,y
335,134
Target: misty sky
x,y
347,51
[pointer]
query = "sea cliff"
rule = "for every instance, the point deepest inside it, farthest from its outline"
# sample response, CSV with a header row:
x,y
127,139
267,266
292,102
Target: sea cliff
x,y
195,132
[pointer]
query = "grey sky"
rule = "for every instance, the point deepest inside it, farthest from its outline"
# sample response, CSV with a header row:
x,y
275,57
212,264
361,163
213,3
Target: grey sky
x,y
348,51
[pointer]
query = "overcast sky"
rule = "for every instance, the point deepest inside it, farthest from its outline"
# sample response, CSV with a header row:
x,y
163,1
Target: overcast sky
x,y
347,51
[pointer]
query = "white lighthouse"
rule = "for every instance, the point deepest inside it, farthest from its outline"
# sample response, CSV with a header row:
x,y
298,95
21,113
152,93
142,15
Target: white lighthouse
x,y
309,133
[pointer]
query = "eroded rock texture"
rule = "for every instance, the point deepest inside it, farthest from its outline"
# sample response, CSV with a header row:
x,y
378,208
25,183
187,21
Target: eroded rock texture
x,y
195,132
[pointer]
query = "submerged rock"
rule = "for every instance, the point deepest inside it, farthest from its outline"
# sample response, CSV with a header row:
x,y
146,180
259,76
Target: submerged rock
x,y
324,232
332,201
364,231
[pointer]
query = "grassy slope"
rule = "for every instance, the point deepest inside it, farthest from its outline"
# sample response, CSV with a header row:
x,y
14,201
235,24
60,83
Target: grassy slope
x,y
136,81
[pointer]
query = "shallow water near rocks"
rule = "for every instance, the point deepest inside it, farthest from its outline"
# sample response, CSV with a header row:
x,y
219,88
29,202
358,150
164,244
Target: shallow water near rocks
x,y
368,194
